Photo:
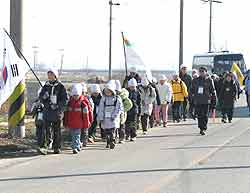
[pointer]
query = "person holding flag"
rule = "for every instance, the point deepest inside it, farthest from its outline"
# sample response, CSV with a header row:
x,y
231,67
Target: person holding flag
x,y
54,97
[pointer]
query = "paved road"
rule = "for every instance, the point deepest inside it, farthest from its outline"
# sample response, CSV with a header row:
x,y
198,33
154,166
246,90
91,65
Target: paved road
x,y
173,159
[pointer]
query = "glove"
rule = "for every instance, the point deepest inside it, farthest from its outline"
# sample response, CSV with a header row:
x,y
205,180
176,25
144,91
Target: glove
x,y
45,96
54,107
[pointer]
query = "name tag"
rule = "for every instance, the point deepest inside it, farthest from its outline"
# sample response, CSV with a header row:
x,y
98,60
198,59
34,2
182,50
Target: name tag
x,y
200,90
53,99
108,111
39,116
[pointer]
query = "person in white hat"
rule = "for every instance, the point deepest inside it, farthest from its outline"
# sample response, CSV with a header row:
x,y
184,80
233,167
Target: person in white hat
x,y
132,114
187,79
148,97
127,105
96,96
78,116
54,97
110,109
132,74
165,93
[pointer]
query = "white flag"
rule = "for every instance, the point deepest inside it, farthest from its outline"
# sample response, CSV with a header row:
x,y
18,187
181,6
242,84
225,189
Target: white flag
x,y
134,60
12,68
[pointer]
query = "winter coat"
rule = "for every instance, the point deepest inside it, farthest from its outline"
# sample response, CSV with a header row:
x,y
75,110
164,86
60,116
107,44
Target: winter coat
x,y
247,86
228,94
78,114
187,79
96,101
135,97
37,112
203,90
148,97
179,90
165,93
54,97
127,105
110,109
127,78
155,86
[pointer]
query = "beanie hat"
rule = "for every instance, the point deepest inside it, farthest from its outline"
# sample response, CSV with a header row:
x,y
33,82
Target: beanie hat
x,y
76,90
111,86
95,88
54,71
118,85
132,82
163,77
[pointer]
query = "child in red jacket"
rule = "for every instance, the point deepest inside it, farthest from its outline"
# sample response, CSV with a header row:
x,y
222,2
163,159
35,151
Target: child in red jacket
x,y
77,116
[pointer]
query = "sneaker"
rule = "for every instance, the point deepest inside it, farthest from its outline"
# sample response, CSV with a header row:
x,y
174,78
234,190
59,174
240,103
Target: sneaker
x,y
121,141
112,145
91,140
133,139
144,132
229,121
202,132
79,149
223,121
57,151
75,151
42,151
164,124
107,146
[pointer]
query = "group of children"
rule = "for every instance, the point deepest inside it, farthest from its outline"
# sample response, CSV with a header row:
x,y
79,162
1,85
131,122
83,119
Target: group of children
x,y
117,111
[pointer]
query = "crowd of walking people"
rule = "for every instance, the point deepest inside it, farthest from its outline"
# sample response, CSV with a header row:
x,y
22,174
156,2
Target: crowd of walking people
x,y
119,110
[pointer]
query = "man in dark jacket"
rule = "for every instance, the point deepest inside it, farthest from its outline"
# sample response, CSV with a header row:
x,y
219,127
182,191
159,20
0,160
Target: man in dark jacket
x,y
132,74
203,93
227,97
54,97
187,79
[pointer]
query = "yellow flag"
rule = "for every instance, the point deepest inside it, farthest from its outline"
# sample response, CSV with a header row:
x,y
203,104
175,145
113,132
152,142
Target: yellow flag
x,y
235,69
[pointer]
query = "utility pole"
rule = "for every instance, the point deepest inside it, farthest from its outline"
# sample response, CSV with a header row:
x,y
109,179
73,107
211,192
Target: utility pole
x,y
110,36
17,99
210,21
181,34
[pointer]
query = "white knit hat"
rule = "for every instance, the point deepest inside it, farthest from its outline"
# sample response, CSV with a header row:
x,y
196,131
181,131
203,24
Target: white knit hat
x,y
76,90
132,82
95,88
118,86
111,86
84,87
132,69
163,77
183,66
145,82
54,71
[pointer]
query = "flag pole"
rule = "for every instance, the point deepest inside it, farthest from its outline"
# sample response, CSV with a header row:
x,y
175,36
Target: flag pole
x,y
19,51
125,54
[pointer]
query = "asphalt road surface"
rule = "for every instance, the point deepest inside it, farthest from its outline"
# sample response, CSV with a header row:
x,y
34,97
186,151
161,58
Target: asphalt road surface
x,y
173,159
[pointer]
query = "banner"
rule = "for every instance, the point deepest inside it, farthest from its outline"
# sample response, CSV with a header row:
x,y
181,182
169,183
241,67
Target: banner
x,y
236,70
134,60
12,67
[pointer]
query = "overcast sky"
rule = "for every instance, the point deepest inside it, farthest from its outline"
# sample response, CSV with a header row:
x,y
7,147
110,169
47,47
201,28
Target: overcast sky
x,y
81,28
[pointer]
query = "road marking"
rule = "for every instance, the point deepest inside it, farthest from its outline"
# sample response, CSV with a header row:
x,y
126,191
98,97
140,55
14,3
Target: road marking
x,y
169,179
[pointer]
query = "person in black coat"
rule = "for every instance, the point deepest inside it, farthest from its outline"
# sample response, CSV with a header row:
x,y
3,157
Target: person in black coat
x,y
54,98
227,97
187,79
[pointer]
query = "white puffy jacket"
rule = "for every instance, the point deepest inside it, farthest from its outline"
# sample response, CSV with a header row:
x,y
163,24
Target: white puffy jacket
x,y
165,93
